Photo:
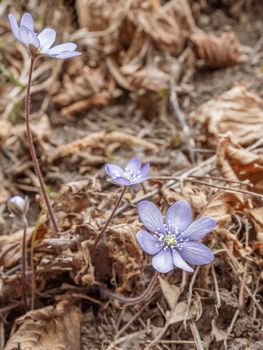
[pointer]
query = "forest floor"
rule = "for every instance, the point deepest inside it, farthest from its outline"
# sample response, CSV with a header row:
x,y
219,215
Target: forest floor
x,y
178,85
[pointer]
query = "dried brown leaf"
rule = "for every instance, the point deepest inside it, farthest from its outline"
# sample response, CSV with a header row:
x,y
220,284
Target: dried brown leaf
x,y
256,216
180,313
76,196
236,163
217,51
92,87
222,205
237,110
167,26
50,328
170,292
120,258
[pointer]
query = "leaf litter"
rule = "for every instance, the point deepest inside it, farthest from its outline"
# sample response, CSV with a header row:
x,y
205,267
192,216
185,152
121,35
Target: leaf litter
x,y
109,104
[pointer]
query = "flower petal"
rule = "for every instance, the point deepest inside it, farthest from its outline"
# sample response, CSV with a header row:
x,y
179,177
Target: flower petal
x,y
178,217
196,253
149,243
199,228
179,261
151,217
28,37
134,166
62,49
114,170
145,170
163,261
122,181
14,25
27,21
47,38
65,55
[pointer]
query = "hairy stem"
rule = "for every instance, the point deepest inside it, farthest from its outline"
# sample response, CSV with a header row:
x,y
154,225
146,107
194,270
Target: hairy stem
x,y
100,235
24,264
33,151
134,300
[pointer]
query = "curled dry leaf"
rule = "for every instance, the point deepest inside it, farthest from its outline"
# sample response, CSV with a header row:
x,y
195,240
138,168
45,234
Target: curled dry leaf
x,y
99,15
222,205
154,77
120,258
49,328
168,26
92,88
256,217
76,196
236,163
98,140
237,110
217,51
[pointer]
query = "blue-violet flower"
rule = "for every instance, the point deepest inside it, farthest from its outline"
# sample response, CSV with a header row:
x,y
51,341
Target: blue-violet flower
x,y
131,175
40,44
175,241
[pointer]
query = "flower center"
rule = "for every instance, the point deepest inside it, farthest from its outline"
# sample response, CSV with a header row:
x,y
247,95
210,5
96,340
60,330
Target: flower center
x,y
169,240
131,176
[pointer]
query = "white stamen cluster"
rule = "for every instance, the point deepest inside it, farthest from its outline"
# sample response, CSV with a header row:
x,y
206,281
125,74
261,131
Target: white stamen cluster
x,y
169,238
129,175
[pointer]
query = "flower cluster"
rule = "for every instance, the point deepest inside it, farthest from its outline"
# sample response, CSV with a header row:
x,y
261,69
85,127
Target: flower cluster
x,y
40,44
173,241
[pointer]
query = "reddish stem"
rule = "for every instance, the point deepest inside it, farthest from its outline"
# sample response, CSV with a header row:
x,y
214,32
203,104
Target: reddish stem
x,y
100,235
24,264
134,300
33,151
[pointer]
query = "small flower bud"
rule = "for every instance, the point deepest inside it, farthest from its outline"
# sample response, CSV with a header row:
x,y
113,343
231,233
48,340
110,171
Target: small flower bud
x,y
18,207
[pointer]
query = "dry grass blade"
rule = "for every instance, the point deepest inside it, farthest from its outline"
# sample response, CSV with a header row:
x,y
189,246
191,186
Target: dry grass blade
x,y
94,140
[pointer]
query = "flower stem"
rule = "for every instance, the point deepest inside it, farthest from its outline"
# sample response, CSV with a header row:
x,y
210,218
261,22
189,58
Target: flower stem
x,y
134,300
24,264
100,235
33,151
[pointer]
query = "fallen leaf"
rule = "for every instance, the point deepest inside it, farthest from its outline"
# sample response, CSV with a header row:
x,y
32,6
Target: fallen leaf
x,y
180,313
237,111
236,163
217,51
50,328
170,292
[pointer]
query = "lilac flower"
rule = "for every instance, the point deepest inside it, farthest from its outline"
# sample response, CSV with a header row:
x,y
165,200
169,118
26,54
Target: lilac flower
x,y
40,44
132,174
175,241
